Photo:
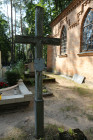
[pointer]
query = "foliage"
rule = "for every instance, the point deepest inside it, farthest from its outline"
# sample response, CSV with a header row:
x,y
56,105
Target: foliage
x,y
19,55
41,4
52,8
4,40
71,132
44,90
27,25
3,85
12,77
60,5
15,73
30,18
32,81
60,130
19,68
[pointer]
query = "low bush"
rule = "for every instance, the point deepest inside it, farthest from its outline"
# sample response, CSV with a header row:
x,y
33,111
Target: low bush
x,y
12,77
19,68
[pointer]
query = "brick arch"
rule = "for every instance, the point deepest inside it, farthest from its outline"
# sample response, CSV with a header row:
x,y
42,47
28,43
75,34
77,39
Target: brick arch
x,y
81,30
64,26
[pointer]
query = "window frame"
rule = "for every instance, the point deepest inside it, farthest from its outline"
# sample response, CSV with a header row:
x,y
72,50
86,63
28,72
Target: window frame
x,y
63,49
82,50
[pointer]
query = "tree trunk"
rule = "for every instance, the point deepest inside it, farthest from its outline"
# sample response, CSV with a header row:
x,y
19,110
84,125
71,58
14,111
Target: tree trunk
x,y
12,57
8,16
21,28
15,31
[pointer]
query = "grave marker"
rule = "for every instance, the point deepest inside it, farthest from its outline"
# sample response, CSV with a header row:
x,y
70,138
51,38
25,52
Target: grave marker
x,y
38,40
78,78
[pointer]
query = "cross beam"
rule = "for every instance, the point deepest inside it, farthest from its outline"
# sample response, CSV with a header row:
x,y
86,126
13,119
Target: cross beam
x,y
38,40
34,40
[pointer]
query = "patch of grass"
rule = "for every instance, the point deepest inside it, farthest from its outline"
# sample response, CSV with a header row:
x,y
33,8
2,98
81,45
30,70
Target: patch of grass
x,y
70,117
82,91
19,137
67,116
68,99
51,131
90,117
69,108
29,134
29,81
15,134
75,118
90,107
89,133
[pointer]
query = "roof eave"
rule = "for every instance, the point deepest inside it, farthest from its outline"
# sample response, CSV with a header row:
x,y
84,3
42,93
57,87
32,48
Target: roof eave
x,y
66,11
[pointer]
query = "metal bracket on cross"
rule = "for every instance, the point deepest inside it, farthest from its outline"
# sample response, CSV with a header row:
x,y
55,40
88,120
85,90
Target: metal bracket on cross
x,y
39,64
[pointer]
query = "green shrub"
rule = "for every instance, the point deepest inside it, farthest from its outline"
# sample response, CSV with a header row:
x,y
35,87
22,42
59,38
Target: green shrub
x,y
19,68
12,77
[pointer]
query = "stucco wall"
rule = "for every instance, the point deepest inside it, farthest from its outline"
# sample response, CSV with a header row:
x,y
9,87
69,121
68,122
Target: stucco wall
x,y
72,63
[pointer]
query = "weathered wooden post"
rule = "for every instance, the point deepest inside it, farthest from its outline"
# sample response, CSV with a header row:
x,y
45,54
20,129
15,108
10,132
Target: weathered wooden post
x,y
39,104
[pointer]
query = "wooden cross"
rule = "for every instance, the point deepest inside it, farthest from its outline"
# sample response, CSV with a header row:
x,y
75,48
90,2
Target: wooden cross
x,y
38,40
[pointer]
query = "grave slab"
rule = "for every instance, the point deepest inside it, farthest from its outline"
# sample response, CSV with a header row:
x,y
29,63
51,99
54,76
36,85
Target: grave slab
x,y
24,95
78,78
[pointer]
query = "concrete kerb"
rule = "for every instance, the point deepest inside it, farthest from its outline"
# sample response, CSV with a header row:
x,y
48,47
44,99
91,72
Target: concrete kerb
x,y
25,95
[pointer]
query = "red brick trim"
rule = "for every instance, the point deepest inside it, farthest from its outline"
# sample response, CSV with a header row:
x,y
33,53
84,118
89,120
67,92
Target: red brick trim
x,y
79,14
73,5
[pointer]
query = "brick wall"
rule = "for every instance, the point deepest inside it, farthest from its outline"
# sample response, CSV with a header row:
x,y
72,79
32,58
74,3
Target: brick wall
x,y
49,58
73,62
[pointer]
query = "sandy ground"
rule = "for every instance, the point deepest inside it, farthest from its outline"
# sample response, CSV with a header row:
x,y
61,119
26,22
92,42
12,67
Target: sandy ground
x,y
71,107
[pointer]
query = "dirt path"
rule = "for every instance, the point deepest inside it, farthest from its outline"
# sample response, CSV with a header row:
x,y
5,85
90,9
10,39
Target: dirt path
x,y
71,107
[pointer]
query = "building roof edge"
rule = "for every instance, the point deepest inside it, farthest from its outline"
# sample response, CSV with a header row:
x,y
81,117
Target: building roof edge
x,y
66,11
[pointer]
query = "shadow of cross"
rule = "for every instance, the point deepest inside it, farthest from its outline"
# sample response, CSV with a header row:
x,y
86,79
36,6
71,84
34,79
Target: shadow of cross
x,y
38,40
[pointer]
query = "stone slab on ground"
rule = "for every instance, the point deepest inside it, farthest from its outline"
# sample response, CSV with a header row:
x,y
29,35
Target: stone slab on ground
x,y
78,78
67,77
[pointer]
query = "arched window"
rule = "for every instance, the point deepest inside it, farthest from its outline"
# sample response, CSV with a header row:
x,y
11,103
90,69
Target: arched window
x,y
87,35
63,41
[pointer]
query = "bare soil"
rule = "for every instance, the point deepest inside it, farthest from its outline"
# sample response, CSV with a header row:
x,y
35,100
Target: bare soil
x,y
70,107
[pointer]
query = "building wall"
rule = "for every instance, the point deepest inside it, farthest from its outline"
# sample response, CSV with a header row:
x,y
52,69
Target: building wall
x,y
49,58
74,61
